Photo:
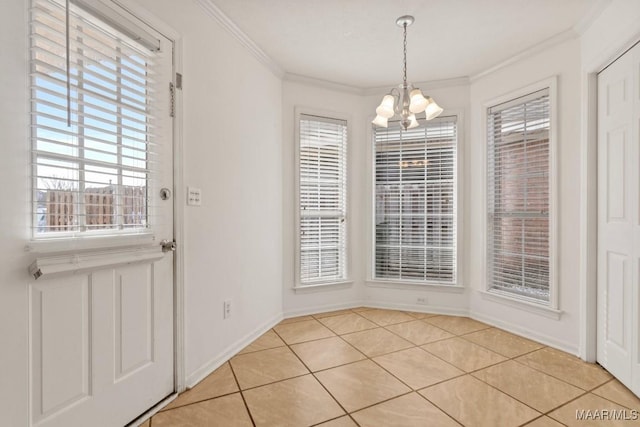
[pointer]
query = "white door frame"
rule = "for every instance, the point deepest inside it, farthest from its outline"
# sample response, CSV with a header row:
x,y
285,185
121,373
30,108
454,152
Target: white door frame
x,y
589,195
178,191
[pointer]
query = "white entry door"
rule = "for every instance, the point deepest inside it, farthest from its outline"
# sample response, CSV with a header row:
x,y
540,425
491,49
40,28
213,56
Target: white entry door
x,y
619,218
101,304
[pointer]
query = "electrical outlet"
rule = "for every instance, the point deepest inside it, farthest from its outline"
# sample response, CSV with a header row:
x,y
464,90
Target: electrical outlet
x,y
421,300
226,309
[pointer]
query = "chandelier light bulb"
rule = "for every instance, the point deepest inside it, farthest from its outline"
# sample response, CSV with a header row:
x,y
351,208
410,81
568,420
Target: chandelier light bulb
x,y
413,122
433,110
380,121
385,109
418,101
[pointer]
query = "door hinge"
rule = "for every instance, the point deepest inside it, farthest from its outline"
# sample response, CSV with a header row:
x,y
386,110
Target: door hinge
x,y
172,100
178,81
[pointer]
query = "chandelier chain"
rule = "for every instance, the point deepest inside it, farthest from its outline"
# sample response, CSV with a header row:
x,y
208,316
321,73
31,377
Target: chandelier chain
x,y
404,68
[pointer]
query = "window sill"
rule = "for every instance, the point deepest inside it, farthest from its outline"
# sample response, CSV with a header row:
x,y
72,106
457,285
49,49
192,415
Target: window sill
x,y
87,243
415,285
531,307
322,287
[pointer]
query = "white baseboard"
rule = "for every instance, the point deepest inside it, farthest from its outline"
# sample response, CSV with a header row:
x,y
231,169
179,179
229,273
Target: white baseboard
x,y
418,308
322,308
206,369
526,333
202,372
507,326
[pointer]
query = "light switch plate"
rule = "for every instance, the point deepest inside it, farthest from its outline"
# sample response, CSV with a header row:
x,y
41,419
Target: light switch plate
x,y
194,196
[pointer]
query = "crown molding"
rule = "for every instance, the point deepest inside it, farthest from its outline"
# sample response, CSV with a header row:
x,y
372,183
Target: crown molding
x,y
562,37
226,23
219,16
424,86
587,20
324,84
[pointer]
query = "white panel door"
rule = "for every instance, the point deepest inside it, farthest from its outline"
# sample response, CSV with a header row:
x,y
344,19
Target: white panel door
x,y
619,218
101,340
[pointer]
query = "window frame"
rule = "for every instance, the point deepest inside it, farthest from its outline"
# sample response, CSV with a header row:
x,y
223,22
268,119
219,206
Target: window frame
x,y
298,285
107,238
502,296
458,285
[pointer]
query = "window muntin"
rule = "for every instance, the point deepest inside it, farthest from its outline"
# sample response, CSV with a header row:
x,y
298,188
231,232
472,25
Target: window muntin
x,y
518,197
91,177
322,178
415,202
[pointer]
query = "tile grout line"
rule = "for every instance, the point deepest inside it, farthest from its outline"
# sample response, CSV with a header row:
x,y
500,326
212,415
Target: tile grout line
x,y
465,372
411,390
528,423
515,359
470,373
316,378
606,398
198,401
418,345
335,332
255,351
542,414
274,382
545,413
420,348
464,337
334,419
563,405
441,409
241,393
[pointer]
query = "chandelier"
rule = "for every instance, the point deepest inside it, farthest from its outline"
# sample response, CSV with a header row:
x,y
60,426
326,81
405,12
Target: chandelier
x,y
405,101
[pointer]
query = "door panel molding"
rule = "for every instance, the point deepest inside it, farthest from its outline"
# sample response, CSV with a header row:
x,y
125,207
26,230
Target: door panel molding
x,y
60,323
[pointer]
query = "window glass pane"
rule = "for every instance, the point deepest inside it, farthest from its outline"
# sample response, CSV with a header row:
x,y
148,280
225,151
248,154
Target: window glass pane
x,y
93,173
518,197
322,198
415,206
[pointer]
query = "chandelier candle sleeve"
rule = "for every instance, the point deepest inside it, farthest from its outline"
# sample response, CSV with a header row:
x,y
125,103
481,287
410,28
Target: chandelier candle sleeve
x,y
405,102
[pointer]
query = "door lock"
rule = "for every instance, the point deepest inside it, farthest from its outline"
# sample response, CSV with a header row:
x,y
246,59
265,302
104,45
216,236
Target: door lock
x,y
168,245
165,193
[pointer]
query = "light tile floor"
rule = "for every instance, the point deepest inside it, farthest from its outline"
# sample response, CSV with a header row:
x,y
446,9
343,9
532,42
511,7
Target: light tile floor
x,y
373,367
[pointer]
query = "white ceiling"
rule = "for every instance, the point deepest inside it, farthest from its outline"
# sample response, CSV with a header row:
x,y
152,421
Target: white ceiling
x,y
357,43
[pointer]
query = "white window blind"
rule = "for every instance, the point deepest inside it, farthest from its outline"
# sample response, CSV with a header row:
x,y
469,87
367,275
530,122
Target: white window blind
x,y
518,196
415,212
322,199
91,168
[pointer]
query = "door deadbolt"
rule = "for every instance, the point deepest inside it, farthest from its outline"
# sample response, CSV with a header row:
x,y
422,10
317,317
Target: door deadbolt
x,y
165,193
